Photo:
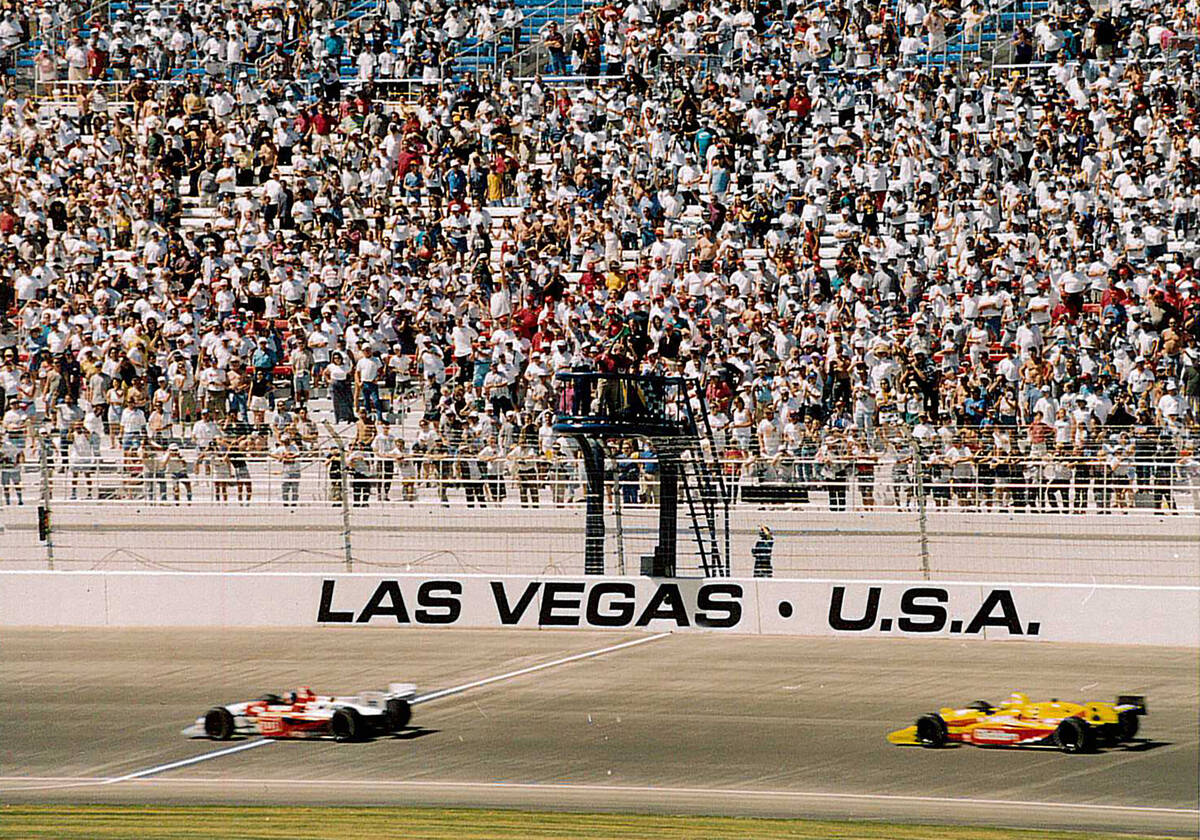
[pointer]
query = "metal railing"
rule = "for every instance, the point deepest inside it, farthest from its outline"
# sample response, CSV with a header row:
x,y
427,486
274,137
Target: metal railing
x,y
338,22
890,480
531,57
58,90
65,27
964,42
482,56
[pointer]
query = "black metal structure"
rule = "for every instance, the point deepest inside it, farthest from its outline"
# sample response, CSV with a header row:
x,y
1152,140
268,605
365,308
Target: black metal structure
x,y
669,412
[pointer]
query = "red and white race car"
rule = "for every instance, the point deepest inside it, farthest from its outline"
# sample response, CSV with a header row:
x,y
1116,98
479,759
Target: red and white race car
x,y
304,714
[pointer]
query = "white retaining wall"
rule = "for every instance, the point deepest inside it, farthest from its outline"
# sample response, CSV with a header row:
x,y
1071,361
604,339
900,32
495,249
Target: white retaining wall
x,y
1150,615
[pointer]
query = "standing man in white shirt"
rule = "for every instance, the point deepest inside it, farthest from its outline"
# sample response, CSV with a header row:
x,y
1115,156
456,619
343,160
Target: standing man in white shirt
x,y
366,382
287,453
76,60
383,446
463,337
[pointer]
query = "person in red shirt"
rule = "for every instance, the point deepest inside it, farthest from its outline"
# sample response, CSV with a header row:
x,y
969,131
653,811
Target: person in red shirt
x,y
320,126
501,163
800,102
719,394
524,320
590,279
302,123
1171,296
1040,431
321,123
546,335
608,12
406,160
1114,296
97,59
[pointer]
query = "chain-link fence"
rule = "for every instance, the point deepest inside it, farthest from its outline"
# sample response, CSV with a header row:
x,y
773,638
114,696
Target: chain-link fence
x,y
840,505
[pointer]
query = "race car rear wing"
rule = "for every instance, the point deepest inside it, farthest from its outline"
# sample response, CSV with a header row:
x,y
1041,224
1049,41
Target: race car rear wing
x,y
1135,702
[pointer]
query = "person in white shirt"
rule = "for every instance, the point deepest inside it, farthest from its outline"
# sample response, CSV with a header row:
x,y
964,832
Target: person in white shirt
x,y
770,437
1048,38
287,454
76,60
463,337
384,447
133,428
1047,407
1169,408
12,455
1141,378
366,382
81,457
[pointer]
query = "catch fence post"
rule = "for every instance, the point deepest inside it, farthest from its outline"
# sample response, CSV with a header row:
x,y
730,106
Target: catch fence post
x,y
45,528
922,519
620,530
347,546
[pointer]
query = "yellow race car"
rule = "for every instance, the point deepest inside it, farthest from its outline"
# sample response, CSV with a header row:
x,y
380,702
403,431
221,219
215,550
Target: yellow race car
x,y
1020,722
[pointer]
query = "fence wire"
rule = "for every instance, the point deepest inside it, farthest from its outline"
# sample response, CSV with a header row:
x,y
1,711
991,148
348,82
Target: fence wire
x,y
899,508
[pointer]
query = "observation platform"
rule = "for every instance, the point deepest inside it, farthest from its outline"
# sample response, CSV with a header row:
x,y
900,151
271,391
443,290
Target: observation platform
x,y
596,407
622,405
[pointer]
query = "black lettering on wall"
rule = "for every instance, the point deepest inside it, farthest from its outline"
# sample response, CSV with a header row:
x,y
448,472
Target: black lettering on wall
x,y
387,600
512,614
719,605
439,609
839,622
325,611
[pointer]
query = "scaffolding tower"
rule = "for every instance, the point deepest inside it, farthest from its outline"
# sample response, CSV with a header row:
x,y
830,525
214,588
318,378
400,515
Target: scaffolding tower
x,y
670,413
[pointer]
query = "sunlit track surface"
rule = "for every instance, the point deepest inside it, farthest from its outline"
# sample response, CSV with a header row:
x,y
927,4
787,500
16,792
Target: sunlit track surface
x,y
700,723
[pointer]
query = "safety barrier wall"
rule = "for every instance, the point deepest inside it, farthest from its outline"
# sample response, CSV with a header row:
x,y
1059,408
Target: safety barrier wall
x,y
1151,615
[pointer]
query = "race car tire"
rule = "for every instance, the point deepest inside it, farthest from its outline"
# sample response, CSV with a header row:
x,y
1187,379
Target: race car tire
x,y
1127,725
931,731
347,725
218,724
399,713
1075,736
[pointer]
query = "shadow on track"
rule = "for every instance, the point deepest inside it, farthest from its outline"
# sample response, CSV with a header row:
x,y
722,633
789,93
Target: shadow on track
x,y
414,732
1140,746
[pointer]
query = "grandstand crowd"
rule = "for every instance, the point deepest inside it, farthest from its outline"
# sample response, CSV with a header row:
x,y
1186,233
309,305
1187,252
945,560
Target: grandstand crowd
x,y
862,254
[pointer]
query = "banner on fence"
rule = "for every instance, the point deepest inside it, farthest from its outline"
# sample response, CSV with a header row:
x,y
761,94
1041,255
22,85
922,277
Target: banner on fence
x,y
854,609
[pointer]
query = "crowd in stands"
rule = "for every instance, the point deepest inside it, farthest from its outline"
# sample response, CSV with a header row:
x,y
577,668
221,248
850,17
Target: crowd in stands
x,y
858,254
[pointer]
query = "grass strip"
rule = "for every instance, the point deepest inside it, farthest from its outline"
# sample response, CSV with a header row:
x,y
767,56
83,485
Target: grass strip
x,y
116,822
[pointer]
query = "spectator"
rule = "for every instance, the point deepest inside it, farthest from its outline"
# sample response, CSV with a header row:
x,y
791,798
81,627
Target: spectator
x,y
287,453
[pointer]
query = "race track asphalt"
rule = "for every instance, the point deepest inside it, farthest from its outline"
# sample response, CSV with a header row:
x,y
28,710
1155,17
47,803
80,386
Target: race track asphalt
x,y
702,723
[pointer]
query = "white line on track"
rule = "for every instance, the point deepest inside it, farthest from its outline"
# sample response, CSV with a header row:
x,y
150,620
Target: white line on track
x,y
248,745
63,783
458,689
196,759
647,789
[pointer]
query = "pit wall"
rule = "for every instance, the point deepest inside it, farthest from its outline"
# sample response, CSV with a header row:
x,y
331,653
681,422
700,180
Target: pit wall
x,y
1106,614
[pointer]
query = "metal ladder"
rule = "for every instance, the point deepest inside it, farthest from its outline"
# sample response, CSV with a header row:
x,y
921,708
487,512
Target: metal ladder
x,y
704,487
